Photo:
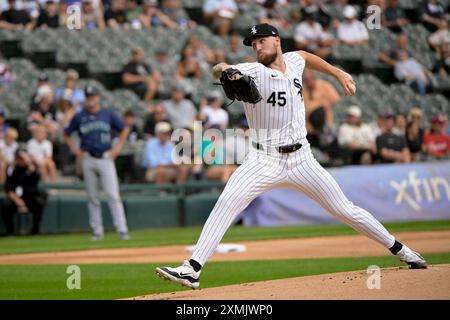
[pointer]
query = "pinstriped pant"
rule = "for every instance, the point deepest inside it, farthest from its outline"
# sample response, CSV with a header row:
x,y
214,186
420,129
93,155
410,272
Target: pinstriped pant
x,y
261,172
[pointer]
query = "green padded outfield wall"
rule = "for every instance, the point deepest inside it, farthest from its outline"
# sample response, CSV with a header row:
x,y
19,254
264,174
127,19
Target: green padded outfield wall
x,y
151,212
197,208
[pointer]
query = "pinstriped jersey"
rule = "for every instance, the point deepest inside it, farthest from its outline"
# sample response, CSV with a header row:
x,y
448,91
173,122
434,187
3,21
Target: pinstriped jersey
x,y
279,118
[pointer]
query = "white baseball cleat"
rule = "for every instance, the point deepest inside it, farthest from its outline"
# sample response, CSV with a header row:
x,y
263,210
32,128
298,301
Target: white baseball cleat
x,y
414,259
184,275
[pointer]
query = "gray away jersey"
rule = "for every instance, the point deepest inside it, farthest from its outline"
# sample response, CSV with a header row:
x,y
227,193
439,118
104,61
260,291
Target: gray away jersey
x,y
279,118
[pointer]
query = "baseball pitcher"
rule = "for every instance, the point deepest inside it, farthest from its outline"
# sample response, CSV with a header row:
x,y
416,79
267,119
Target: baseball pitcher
x,y
271,90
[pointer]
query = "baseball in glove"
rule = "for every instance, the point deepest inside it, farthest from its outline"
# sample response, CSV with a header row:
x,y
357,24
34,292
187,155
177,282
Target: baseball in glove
x,y
238,86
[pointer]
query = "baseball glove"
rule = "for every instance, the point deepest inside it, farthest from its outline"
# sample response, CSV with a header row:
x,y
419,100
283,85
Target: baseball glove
x,y
239,86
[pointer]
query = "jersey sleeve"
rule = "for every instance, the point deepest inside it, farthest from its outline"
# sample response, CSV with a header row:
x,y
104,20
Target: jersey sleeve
x,y
116,122
251,69
73,125
295,58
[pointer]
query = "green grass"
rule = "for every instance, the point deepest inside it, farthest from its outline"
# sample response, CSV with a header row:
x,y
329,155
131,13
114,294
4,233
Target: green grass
x,y
173,236
113,281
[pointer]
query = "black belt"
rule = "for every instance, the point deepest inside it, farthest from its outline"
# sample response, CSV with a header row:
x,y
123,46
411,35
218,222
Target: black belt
x,y
97,155
283,149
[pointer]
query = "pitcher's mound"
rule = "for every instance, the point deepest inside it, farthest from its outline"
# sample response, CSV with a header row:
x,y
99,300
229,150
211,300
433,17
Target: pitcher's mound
x,y
395,283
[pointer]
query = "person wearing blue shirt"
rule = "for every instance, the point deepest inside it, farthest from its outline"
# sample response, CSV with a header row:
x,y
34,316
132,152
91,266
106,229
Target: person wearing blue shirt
x,y
158,159
77,96
94,125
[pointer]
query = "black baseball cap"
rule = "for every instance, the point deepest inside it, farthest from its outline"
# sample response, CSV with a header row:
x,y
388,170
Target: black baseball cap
x,y
260,30
91,91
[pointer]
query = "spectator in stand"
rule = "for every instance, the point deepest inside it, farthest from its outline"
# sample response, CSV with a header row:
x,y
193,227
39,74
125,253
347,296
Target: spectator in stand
x,y
220,13
235,52
414,139
129,119
49,15
399,124
8,147
43,81
394,17
71,82
379,125
44,113
92,17
352,32
175,11
272,13
205,56
140,77
133,11
15,19
433,15
116,16
442,66
158,158
180,110
440,37
188,66
166,63
319,97
357,138
63,15
41,152
6,76
436,142
156,114
3,125
392,148
211,112
22,192
65,110
390,57
309,34
152,16
412,72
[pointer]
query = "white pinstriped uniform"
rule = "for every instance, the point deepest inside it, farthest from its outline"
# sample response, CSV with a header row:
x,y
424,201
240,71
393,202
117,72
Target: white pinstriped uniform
x,y
266,169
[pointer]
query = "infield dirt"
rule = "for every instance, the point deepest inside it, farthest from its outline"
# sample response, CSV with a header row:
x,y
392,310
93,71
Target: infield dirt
x,y
395,283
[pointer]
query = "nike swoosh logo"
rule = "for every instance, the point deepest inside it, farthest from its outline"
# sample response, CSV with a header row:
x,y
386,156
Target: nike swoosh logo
x,y
273,75
184,274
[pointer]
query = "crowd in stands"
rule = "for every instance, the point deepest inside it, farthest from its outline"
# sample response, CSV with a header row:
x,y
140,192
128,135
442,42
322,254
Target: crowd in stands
x,y
391,138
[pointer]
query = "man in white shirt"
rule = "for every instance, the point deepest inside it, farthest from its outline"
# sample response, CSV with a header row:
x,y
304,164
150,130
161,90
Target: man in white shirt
x,y
211,112
310,36
221,13
181,111
41,152
352,32
357,137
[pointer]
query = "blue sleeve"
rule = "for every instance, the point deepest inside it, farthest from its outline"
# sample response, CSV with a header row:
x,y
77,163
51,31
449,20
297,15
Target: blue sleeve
x,y
73,125
145,159
116,122
150,156
79,96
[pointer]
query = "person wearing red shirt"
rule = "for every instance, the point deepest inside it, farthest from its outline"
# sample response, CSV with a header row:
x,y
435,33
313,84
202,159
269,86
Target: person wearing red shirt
x,y
437,141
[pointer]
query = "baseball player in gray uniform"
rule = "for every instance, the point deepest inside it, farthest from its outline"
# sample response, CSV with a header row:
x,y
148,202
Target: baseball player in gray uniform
x,y
281,155
94,125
